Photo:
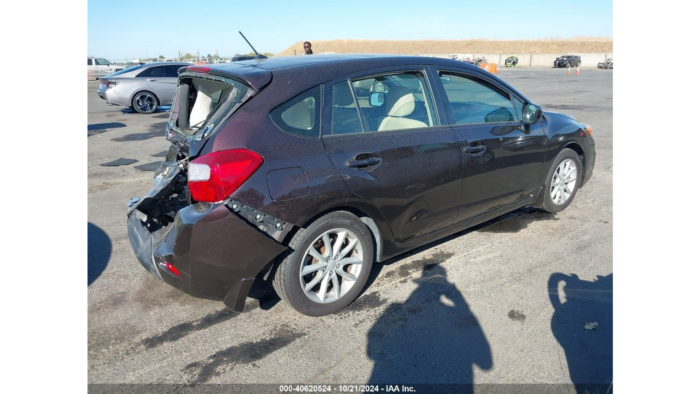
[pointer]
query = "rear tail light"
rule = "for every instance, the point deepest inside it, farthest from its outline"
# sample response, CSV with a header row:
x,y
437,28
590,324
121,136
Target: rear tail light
x,y
589,130
104,82
214,177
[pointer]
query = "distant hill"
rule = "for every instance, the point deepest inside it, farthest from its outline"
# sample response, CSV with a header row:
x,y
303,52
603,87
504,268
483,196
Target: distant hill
x,y
415,47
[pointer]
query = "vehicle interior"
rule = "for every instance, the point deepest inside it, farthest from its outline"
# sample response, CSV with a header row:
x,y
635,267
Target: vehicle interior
x,y
204,97
387,102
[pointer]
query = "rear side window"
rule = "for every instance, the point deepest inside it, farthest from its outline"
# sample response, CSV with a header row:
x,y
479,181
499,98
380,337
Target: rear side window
x,y
171,71
344,118
130,69
89,62
395,101
300,115
155,72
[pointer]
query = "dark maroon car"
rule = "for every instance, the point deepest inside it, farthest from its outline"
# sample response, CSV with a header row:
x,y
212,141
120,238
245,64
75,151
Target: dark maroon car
x,y
306,170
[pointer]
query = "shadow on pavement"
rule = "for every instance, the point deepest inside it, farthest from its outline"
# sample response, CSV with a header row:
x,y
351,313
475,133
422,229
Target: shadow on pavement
x,y
431,338
99,251
583,325
103,126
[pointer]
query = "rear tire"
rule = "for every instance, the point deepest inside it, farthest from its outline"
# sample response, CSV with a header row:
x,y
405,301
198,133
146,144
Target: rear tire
x,y
563,181
321,276
145,102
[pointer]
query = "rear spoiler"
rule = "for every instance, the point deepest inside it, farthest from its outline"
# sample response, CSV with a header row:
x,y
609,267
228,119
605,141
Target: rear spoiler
x,y
247,74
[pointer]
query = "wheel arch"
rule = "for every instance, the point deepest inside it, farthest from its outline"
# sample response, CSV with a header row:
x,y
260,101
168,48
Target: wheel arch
x,y
574,146
380,229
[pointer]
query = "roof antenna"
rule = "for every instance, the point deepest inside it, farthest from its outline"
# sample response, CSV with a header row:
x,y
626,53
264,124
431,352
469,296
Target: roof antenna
x,y
257,55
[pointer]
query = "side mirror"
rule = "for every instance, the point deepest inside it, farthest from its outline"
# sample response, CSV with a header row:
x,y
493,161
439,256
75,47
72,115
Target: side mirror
x,y
445,79
376,99
531,113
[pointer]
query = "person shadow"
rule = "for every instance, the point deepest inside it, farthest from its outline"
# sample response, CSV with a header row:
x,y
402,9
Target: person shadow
x,y
99,252
582,323
431,338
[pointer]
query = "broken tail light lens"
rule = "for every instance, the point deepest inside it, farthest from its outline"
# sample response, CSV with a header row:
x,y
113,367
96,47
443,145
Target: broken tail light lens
x,y
214,177
170,268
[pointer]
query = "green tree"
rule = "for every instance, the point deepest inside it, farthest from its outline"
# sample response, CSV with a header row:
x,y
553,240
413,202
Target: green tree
x,y
161,57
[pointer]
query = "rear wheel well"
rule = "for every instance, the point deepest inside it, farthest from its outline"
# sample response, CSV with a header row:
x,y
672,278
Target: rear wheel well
x,y
364,218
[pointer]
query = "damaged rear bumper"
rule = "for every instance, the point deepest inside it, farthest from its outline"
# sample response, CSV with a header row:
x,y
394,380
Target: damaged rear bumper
x,y
216,252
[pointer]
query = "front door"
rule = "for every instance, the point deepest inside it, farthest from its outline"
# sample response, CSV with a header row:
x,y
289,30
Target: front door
x,y
502,159
383,137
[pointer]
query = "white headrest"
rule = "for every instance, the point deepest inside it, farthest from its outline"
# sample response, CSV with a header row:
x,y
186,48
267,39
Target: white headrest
x,y
400,101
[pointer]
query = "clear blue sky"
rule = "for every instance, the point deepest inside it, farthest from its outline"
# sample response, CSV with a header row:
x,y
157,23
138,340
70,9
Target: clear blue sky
x,y
130,29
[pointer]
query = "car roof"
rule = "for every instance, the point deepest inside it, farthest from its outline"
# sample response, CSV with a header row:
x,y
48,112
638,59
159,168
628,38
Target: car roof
x,y
311,70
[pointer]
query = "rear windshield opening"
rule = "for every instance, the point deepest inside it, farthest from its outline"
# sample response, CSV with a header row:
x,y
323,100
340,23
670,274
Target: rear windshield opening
x,y
206,103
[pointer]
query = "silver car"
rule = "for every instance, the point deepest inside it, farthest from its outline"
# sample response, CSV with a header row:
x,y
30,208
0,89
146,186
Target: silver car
x,y
143,87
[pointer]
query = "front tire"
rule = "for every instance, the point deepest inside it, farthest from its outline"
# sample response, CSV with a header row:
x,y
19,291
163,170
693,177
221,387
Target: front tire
x,y
563,181
145,102
329,265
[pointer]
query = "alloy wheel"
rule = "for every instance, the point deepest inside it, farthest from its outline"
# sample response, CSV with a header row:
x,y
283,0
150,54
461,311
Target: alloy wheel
x,y
563,182
331,265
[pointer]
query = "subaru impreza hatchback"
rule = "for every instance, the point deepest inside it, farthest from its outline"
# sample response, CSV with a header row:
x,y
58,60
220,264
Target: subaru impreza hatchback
x,y
306,170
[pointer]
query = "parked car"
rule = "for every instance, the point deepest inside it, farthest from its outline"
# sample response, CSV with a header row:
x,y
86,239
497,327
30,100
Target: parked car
x,y
98,67
272,174
608,64
246,57
511,61
143,87
567,61
477,62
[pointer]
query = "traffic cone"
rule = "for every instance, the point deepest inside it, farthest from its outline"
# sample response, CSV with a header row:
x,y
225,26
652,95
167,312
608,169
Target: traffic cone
x,y
578,70
569,72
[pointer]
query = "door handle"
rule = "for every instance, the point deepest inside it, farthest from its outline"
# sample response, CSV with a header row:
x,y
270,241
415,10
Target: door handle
x,y
364,163
475,150
152,80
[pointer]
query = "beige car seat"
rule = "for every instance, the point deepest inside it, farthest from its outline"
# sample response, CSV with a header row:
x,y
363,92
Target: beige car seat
x,y
400,103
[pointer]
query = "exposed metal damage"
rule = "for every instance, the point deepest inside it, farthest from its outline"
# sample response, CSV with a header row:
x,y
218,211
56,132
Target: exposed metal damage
x,y
270,225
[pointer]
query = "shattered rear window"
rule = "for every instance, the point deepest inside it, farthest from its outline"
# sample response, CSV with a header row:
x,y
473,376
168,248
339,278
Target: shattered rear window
x,y
211,99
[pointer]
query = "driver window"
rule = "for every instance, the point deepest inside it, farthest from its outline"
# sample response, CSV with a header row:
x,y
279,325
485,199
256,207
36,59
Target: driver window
x,y
474,102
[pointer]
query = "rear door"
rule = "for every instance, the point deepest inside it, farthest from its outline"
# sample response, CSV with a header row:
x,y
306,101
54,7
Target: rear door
x,y
384,136
162,80
501,158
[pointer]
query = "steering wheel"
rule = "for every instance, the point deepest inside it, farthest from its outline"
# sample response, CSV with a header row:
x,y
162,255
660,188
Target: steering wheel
x,y
378,87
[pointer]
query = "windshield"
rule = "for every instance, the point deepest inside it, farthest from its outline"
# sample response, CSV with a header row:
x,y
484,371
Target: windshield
x,y
102,62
